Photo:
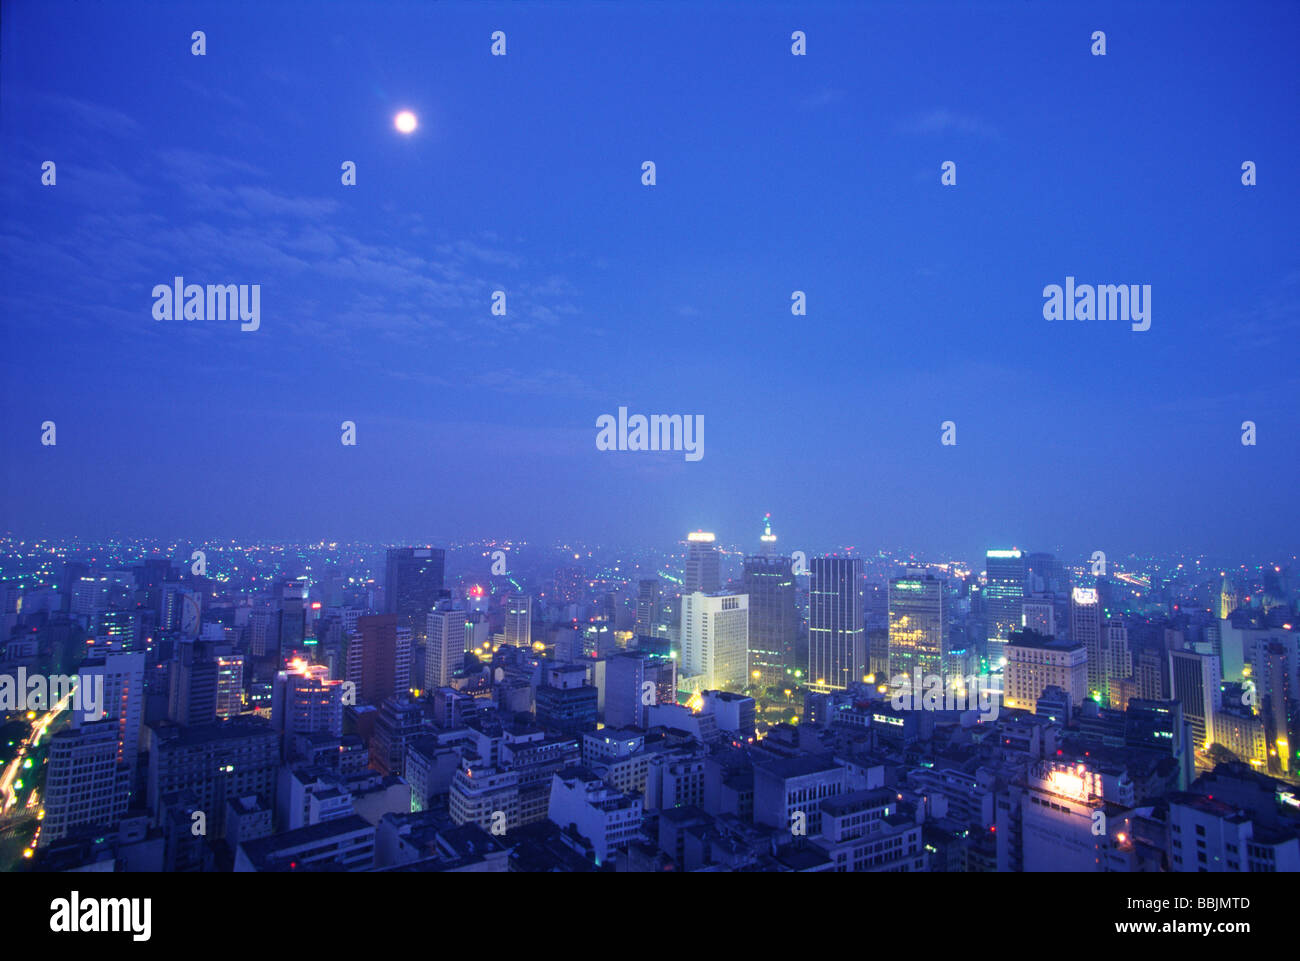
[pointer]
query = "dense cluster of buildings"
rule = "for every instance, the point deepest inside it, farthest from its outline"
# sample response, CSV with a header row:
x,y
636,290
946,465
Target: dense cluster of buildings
x,y
743,716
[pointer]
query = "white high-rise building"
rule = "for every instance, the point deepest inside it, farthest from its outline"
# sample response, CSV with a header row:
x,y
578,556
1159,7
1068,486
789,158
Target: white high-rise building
x,y
85,783
715,639
123,697
519,620
444,651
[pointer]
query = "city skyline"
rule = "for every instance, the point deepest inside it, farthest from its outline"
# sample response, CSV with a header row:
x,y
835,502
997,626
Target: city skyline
x,y
697,436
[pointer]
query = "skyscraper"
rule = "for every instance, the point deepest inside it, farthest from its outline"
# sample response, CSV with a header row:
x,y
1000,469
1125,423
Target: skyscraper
x,y
703,564
413,584
715,640
519,620
773,618
1195,679
837,650
444,646
916,626
1085,627
379,658
1003,593
647,606
123,698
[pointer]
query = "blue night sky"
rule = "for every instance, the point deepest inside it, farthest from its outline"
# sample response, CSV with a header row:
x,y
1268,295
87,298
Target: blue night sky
x,y
775,173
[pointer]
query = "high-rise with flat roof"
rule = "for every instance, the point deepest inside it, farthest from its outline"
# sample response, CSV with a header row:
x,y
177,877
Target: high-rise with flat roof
x,y
837,641
703,564
715,639
916,626
413,584
773,616
1003,592
1086,629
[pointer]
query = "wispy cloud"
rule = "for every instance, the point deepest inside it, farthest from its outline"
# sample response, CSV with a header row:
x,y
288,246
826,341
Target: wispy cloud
x,y
942,121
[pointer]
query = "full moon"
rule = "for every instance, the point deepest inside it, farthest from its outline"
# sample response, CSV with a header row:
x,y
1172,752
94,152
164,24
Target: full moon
x,y
405,121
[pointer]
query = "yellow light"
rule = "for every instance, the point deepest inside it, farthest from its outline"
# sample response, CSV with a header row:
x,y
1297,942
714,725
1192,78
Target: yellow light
x,y
1066,783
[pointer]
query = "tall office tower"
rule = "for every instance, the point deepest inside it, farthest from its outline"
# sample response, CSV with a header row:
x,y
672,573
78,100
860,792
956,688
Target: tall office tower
x,y
647,606
192,693
305,701
123,698
445,645
703,564
379,657
413,585
1227,597
715,640
291,604
1195,680
1044,574
230,685
768,580
1003,594
837,646
627,698
519,620
1085,627
86,784
262,632
1119,663
916,626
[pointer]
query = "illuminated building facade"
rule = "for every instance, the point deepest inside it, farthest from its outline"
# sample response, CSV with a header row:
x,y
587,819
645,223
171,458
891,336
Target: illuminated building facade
x,y
703,564
917,627
715,640
837,648
1086,629
1003,593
